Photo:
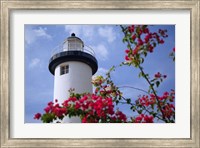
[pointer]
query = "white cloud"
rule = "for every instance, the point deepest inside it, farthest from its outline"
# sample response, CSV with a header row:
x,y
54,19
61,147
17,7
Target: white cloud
x,y
101,52
108,33
89,32
31,34
94,34
34,62
41,32
84,31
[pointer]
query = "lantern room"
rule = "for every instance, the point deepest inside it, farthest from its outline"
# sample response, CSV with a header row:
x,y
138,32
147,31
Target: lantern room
x,y
73,43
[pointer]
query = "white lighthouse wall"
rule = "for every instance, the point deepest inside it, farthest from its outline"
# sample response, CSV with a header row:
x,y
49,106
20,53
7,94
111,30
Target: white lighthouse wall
x,y
78,77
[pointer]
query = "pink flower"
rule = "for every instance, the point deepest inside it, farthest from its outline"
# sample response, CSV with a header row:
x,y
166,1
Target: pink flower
x,y
140,32
148,119
127,58
168,110
135,51
138,119
146,30
127,51
65,103
47,109
131,28
134,37
37,116
84,120
147,37
166,93
140,42
150,48
144,101
110,111
73,99
50,104
59,111
77,105
158,75
161,41
121,116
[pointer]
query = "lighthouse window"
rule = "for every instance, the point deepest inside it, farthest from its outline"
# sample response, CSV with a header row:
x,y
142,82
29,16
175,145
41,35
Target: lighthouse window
x,y
64,69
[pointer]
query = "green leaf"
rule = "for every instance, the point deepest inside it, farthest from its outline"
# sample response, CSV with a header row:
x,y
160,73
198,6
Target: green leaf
x,y
154,44
152,85
128,35
78,96
131,40
124,40
154,115
152,106
140,74
144,26
150,88
128,101
137,30
147,75
128,46
48,117
135,43
142,60
117,101
145,53
133,108
157,83
139,111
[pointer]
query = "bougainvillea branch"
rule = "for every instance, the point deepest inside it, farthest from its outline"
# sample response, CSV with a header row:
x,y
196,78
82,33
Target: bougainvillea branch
x,y
135,58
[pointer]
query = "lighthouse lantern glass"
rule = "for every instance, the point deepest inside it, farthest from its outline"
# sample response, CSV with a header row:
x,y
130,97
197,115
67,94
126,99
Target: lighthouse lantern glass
x,y
72,45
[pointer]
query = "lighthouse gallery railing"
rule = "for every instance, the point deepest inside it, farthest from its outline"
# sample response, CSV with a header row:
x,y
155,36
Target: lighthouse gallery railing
x,y
61,48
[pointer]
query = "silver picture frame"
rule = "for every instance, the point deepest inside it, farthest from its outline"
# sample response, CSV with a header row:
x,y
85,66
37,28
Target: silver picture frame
x,y
7,6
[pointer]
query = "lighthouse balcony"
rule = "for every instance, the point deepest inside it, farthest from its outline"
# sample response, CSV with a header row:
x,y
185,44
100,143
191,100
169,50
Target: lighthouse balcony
x,y
63,54
73,46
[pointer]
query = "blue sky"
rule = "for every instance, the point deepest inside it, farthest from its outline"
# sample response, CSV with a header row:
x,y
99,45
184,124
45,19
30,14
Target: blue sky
x,y
106,41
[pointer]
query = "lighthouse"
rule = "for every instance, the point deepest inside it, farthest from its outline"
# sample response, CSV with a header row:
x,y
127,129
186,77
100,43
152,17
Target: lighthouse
x,y
72,64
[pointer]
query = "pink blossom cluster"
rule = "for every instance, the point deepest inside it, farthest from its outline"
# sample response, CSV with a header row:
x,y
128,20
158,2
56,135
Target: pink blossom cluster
x,y
96,108
143,40
143,119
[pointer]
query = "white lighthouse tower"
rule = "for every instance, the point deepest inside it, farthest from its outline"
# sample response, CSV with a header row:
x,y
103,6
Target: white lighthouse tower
x,y
72,65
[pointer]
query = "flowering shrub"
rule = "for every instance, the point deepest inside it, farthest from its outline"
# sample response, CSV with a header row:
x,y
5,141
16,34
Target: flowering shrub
x,y
99,107
89,107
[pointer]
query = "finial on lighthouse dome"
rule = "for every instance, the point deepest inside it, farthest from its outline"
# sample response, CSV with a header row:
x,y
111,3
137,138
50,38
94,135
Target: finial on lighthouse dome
x,y
73,43
73,34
